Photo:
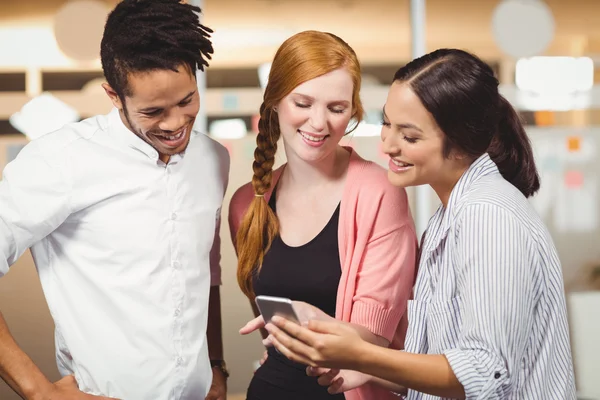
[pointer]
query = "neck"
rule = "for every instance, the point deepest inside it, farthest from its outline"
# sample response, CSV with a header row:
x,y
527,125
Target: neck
x,y
304,174
443,188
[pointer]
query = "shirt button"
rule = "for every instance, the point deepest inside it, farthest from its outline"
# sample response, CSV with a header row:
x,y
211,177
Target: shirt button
x,y
497,375
173,216
179,361
176,264
177,312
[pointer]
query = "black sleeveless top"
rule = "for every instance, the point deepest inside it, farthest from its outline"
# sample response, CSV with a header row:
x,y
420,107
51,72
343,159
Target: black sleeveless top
x,y
309,273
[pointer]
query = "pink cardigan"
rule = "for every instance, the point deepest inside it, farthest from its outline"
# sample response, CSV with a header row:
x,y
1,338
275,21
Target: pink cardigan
x,y
378,248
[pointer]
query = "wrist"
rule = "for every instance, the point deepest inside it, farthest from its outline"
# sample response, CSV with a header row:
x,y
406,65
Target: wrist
x,y
40,391
219,365
361,353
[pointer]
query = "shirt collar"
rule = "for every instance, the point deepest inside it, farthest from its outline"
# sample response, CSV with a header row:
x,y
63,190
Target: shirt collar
x,y
480,168
118,130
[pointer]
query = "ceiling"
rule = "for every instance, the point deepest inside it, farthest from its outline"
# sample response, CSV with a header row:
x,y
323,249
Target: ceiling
x,y
379,30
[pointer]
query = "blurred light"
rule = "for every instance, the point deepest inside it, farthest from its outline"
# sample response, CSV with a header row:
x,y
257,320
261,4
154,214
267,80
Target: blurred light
x,y
554,75
41,115
522,28
245,38
30,47
263,74
234,128
369,126
365,129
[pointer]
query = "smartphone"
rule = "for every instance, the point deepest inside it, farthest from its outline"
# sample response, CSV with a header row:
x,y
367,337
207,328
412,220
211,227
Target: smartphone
x,y
270,306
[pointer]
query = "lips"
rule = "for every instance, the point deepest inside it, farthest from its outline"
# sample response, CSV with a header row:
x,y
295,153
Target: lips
x,y
174,137
400,164
312,137
173,140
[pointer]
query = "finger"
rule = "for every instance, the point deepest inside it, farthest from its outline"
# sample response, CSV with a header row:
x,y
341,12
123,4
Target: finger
x,y
253,325
315,371
336,386
328,378
267,342
291,345
329,327
67,380
292,329
264,358
291,355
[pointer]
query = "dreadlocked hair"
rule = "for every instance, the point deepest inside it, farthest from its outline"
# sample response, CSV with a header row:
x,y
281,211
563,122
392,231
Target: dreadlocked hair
x,y
302,57
145,35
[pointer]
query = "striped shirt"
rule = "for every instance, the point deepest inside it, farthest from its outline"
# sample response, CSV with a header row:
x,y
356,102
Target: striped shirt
x,y
490,296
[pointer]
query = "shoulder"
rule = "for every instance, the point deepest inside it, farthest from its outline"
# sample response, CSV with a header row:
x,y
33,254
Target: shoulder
x,y
368,183
494,203
240,201
204,142
494,194
372,197
54,147
242,198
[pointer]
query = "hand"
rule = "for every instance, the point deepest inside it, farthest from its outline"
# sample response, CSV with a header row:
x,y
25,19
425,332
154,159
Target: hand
x,y
253,325
264,358
330,344
338,381
218,388
67,389
304,311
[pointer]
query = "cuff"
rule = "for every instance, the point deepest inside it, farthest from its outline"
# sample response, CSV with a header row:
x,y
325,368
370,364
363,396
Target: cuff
x,y
477,384
379,320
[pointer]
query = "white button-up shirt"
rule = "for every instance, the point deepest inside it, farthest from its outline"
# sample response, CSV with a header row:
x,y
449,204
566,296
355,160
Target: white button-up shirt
x,y
489,294
123,244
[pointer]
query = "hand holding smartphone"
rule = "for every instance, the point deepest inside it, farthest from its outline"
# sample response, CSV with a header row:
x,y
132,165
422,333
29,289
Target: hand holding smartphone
x,y
269,306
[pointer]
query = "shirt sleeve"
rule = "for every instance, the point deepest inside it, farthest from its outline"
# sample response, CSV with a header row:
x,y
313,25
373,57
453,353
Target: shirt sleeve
x,y
387,270
34,201
496,286
215,251
215,256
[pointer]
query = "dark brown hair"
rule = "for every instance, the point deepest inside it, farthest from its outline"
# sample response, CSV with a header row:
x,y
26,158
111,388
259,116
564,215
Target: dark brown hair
x,y
461,93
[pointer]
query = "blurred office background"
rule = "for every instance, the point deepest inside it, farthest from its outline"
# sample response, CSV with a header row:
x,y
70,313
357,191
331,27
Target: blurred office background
x,y
546,55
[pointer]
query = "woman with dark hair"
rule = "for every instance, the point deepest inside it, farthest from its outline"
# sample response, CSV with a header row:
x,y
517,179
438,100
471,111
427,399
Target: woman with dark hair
x,y
488,319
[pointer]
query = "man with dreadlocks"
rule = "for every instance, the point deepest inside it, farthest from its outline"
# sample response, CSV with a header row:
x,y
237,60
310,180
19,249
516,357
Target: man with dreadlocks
x,y
122,213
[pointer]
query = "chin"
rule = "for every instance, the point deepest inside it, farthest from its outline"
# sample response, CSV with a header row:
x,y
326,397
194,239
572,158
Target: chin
x,y
399,181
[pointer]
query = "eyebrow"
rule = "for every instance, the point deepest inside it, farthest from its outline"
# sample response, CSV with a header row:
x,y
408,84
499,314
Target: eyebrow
x,y
402,126
148,109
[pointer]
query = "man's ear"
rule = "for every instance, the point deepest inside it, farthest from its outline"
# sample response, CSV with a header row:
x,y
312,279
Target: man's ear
x,y
114,97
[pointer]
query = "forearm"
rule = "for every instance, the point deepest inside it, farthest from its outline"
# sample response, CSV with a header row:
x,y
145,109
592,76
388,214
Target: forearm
x,y
17,369
214,331
369,336
391,386
427,373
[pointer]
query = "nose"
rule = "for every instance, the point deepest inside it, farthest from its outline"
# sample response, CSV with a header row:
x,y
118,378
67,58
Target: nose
x,y
172,121
318,119
390,145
